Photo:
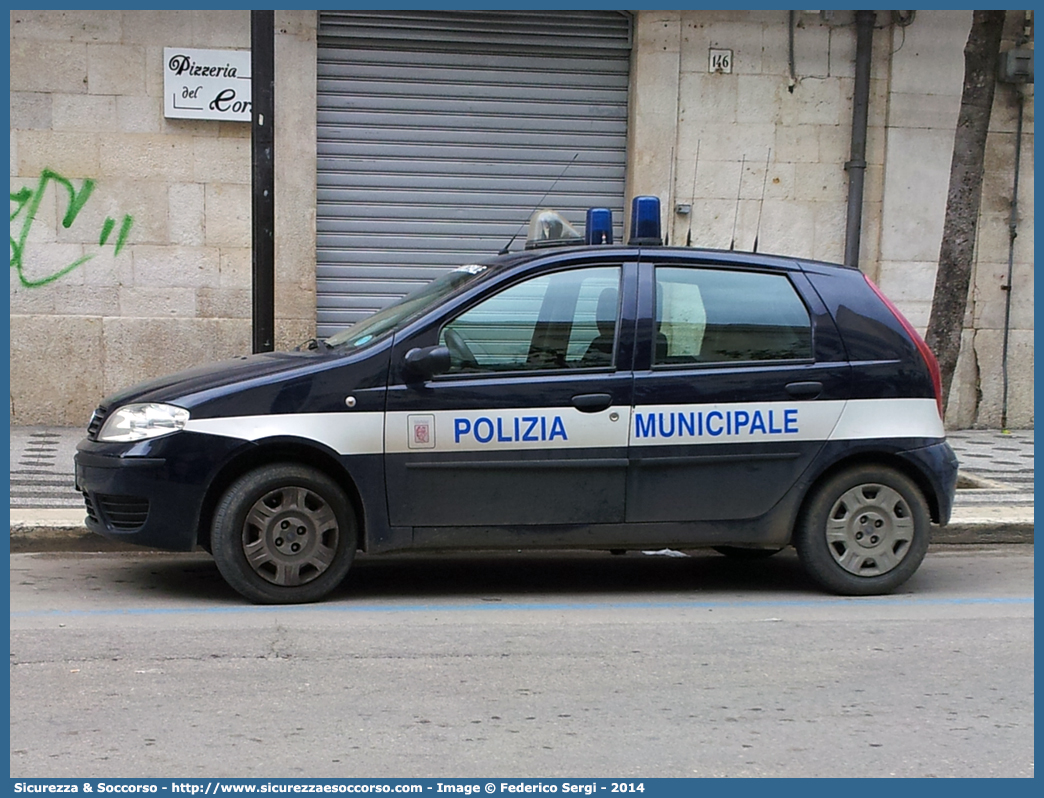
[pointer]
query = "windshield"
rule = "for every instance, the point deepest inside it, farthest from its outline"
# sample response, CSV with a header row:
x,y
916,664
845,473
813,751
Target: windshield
x,y
404,310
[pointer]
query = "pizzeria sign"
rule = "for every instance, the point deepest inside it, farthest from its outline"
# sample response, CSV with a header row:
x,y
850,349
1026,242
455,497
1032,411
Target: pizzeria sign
x,y
206,84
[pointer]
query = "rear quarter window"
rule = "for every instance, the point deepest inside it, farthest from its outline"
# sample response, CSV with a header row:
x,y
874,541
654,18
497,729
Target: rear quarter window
x,y
869,330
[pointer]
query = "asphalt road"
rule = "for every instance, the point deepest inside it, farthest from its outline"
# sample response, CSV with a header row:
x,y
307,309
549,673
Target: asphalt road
x,y
575,665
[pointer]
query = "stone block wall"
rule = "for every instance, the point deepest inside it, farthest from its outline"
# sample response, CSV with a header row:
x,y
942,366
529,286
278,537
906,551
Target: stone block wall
x,y
754,118
923,103
801,125
150,270
91,151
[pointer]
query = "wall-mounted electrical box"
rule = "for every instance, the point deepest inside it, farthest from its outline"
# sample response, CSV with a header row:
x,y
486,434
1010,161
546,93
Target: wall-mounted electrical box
x,y
1016,66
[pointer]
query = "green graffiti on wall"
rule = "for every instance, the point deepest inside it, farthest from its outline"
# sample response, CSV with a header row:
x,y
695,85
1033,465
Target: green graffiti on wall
x,y
26,202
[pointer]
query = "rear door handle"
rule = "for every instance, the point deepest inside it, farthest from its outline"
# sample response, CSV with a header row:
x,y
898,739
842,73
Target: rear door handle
x,y
805,390
592,402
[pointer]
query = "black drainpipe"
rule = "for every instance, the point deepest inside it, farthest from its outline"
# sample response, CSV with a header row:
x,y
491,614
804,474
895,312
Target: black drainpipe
x,y
262,165
856,166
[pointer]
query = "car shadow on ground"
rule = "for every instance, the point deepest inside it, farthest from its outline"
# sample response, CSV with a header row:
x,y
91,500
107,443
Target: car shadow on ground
x,y
567,574
503,576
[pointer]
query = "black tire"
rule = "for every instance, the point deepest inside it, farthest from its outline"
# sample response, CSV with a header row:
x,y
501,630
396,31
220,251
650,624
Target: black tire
x,y
284,534
740,553
864,532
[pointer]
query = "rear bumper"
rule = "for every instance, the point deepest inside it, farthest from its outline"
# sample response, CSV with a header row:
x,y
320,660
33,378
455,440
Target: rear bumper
x,y
938,465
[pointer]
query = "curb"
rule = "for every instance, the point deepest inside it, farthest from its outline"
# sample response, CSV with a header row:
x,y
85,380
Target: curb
x,y
985,531
60,531
987,524
40,531
27,539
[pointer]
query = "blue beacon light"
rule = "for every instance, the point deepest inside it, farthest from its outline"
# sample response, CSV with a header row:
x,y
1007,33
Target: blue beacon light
x,y
645,221
599,226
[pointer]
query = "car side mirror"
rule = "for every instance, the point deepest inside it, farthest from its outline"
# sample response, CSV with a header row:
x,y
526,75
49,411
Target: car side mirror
x,y
426,362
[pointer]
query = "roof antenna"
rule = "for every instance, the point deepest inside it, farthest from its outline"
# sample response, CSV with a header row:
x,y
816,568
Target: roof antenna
x,y
761,204
507,246
692,202
735,215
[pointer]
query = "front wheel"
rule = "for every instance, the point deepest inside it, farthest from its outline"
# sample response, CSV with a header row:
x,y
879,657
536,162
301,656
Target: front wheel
x,y
864,532
283,534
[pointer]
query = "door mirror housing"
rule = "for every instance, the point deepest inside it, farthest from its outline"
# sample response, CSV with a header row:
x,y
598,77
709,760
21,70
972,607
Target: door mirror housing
x,y
426,362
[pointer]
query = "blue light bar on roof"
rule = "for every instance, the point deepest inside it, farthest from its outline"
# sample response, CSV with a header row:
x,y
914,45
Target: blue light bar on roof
x,y
645,221
599,227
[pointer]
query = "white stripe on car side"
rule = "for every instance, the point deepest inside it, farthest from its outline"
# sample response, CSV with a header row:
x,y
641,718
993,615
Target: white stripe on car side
x,y
517,429
889,418
508,430
345,433
734,422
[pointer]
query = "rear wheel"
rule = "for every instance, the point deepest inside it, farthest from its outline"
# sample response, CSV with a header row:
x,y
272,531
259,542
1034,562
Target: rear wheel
x,y
284,534
865,531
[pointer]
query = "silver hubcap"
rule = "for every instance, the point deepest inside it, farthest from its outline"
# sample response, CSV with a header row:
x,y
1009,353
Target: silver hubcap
x,y
290,536
870,530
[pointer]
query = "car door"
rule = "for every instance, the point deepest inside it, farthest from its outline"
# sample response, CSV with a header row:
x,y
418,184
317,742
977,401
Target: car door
x,y
529,425
733,396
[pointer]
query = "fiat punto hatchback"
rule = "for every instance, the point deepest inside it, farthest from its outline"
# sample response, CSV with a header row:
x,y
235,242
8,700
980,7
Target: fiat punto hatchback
x,y
586,396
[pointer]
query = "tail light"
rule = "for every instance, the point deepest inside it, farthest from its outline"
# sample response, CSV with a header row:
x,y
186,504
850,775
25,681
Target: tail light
x,y
922,347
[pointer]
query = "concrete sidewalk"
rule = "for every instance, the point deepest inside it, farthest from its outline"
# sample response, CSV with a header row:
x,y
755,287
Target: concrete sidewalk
x,y
994,493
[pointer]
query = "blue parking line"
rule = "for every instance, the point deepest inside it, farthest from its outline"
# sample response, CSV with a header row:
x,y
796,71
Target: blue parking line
x,y
501,606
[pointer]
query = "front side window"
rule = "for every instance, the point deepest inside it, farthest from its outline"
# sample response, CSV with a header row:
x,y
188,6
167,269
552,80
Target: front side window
x,y
563,320
708,315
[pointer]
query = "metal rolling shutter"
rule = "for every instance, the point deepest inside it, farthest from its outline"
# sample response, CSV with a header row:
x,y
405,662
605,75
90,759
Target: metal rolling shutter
x,y
439,132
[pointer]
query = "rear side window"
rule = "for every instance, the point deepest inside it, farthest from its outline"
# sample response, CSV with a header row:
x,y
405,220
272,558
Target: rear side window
x,y
708,315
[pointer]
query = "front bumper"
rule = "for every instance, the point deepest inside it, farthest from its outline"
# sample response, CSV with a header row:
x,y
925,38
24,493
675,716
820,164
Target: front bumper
x,y
149,493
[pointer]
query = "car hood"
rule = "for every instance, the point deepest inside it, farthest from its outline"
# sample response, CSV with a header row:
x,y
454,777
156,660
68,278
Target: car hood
x,y
174,388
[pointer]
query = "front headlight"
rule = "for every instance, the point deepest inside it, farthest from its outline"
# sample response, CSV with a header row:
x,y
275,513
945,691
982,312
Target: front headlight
x,y
137,422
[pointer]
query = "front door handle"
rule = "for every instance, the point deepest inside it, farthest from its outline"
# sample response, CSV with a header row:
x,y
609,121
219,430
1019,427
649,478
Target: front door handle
x,y
805,390
592,402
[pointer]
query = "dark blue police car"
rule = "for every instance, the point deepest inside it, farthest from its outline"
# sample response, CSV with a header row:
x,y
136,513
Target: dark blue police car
x,y
590,396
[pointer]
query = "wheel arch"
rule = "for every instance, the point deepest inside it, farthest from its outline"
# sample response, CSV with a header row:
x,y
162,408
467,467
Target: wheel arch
x,y
870,458
279,450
